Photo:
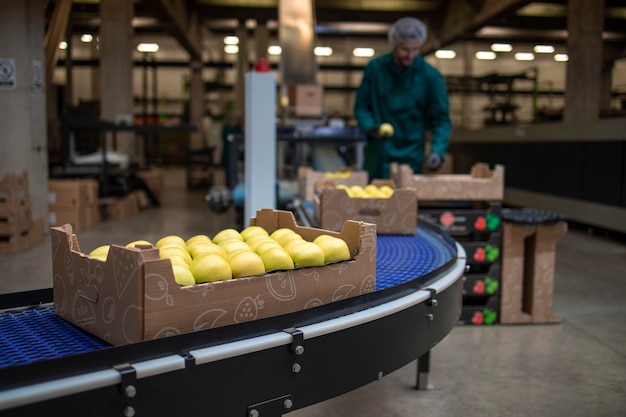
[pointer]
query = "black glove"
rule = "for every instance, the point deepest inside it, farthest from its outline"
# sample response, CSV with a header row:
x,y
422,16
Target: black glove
x,y
434,161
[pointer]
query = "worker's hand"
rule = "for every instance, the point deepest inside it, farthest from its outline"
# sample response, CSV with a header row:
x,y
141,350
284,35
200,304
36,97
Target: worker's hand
x,y
377,133
434,161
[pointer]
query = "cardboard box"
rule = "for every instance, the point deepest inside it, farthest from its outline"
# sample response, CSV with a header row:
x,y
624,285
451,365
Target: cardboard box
x,y
93,216
122,207
480,184
132,296
308,178
15,223
306,99
15,243
394,215
153,178
14,194
528,272
92,191
77,217
38,230
67,194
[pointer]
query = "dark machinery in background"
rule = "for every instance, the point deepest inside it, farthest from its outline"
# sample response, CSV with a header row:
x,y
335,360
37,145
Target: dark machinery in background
x,y
84,153
324,148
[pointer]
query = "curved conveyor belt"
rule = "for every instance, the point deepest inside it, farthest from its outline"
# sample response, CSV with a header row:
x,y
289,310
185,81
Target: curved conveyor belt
x,y
269,366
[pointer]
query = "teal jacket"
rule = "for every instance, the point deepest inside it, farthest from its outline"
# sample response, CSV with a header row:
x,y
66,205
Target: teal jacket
x,y
413,101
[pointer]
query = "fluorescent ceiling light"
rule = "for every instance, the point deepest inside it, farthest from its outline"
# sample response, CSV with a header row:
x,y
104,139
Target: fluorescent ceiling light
x,y
445,54
86,37
231,40
63,45
323,51
274,50
524,56
501,47
544,49
485,55
231,49
561,57
148,47
363,52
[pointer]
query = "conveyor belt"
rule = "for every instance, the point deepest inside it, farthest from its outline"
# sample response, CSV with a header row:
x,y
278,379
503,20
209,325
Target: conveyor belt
x,y
36,334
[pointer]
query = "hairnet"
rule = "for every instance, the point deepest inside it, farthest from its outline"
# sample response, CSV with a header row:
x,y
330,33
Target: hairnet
x,y
407,29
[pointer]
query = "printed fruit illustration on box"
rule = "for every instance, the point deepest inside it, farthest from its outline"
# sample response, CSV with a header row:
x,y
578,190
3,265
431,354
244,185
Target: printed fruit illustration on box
x,y
233,254
486,286
488,222
489,253
486,316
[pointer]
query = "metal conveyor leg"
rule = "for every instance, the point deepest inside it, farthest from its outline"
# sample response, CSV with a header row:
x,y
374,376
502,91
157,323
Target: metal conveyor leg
x,y
423,368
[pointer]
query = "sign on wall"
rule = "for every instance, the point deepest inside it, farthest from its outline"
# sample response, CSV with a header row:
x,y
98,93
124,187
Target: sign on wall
x,y
7,73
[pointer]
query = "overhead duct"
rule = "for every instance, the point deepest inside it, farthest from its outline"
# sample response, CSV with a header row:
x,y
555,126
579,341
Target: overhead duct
x,y
296,31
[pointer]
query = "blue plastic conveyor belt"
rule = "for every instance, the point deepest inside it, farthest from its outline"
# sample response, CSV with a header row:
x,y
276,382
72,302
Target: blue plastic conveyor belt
x,y
35,334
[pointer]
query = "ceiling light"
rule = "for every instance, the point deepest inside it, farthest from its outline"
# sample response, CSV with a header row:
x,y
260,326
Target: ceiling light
x,y
86,37
274,50
63,45
524,56
363,52
148,47
231,49
544,49
323,51
501,47
561,57
485,55
445,54
231,40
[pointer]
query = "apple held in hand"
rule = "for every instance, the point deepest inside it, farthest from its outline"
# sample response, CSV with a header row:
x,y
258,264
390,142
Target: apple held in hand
x,y
385,129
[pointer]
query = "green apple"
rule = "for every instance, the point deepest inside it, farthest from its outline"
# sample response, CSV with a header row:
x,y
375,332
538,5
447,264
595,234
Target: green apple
x,y
385,129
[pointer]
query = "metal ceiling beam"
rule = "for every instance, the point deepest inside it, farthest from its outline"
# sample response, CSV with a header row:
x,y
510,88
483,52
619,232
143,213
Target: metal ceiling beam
x,y
185,24
54,35
469,15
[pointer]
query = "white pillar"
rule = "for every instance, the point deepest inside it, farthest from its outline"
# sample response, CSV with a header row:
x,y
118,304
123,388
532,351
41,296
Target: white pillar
x,y
260,144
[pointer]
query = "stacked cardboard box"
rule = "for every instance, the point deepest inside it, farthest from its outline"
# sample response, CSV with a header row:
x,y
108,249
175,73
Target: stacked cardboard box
x,y
153,178
306,99
75,202
481,184
396,214
19,229
119,208
308,178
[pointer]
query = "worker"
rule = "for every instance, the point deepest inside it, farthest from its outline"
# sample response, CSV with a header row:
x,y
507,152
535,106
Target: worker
x,y
401,89
232,125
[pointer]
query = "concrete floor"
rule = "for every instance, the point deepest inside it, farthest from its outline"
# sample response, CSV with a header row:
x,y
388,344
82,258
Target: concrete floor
x,y
575,368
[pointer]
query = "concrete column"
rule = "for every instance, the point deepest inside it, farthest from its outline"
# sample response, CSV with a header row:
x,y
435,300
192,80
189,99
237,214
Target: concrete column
x,y
196,106
261,39
116,67
23,97
468,71
605,85
95,71
585,20
243,65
